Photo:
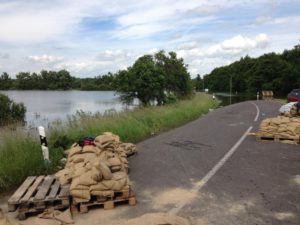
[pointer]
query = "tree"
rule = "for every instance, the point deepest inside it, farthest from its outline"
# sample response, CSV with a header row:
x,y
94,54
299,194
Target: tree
x,y
142,81
5,81
177,78
155,78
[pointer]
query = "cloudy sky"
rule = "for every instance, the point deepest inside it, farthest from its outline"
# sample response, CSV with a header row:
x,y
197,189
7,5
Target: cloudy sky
x,y
92,37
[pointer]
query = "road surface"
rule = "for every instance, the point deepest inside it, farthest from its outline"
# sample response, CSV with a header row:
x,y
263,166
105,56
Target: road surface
x,y
212,173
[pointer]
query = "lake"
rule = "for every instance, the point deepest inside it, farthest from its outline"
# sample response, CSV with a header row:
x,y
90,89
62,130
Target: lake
x,y
47,106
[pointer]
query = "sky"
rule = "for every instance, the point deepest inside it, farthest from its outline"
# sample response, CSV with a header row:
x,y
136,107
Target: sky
x,y
93,37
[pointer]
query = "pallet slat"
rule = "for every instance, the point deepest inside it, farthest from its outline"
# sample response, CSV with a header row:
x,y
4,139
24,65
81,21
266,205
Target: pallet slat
x,y
37,194
21,190
44,188
54,190
32,189
64,192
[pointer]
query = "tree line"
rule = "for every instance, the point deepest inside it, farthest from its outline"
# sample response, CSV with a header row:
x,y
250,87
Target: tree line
x,y
160,78
277,72
55,80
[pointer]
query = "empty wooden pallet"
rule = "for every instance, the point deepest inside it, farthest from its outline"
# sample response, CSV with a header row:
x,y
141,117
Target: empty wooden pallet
x,y
38,193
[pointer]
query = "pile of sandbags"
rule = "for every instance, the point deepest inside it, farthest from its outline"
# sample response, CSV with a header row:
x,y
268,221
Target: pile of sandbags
x,y
280,127
97,169
289,109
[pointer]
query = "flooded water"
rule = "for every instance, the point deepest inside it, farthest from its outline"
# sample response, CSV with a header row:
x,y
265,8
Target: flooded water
x,y
47,106
226,99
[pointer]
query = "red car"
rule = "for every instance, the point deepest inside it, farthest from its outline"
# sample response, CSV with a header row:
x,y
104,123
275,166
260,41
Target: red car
x,y
294,95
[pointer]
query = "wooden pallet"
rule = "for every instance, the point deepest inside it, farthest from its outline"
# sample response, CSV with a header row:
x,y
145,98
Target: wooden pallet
x,y
125,196
278,139
38,193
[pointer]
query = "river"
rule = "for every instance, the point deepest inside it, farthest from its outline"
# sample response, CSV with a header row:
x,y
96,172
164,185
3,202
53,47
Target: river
x,y
44,107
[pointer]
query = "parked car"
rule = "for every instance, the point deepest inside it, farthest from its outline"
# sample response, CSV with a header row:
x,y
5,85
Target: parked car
x,y
294,95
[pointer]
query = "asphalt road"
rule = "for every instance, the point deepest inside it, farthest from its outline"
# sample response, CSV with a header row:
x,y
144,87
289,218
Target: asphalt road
x,y
212,173
258,184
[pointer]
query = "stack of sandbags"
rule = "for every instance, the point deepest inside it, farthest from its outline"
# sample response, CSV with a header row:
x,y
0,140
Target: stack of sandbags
x,y
289,109
280,127
99,169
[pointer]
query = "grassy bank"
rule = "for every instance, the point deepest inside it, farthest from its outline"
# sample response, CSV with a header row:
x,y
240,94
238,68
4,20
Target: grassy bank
x,y
20,154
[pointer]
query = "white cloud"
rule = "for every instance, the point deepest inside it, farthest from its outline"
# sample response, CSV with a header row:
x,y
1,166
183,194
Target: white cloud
x,y
202,60
238,44
45,59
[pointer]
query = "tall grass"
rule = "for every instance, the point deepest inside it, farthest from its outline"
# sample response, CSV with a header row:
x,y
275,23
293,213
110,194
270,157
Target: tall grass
x,y
20,153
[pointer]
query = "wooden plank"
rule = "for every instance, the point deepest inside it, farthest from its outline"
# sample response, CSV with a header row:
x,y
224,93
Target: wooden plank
x,y
54,190
32,189
44,188
64,192
21,190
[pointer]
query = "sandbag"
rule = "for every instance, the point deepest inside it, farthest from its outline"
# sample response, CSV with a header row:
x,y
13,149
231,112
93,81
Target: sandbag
x,y
75,149
107,175
103,193
90,149
84,195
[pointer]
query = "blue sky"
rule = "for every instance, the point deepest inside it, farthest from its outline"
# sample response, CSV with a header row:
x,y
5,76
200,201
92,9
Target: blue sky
x,y
90,38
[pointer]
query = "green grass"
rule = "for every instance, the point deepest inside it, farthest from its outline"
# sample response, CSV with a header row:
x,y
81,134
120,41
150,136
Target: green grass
x,y
20,153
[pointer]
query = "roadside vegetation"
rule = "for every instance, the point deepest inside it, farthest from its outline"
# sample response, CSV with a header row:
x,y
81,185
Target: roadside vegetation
x,y
11,112
20,151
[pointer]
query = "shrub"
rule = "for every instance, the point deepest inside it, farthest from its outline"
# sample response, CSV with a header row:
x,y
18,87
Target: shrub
x,y
10,111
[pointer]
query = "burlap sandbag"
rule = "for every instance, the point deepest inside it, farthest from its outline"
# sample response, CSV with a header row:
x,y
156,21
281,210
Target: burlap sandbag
x,y
77,158
63,176
90,149
106,173
87,178
117,183
52,215
75,149
114,161
4,220
84,195
79,171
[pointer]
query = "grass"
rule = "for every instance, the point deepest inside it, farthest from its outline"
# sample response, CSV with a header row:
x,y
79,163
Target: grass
x,y
20,153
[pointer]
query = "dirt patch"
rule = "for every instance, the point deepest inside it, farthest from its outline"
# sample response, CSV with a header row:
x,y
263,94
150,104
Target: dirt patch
x,y
297,179
157,219
284,215
174,196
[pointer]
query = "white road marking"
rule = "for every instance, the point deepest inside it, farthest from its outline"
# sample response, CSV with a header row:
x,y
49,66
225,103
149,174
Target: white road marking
x,y
198,186
257,112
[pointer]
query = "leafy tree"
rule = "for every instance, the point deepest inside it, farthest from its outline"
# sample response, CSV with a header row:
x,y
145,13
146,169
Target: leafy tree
x,y
5,81
161,78
142,81
277,72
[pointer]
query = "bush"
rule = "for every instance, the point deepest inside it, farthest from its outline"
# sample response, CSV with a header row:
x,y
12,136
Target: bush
x,y
10,111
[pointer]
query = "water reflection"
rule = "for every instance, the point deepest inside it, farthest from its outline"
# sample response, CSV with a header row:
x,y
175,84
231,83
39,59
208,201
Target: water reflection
x,y
224,97
47,106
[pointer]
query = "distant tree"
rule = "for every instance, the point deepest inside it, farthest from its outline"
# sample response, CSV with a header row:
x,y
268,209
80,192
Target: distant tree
x,y
5,81
277,72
